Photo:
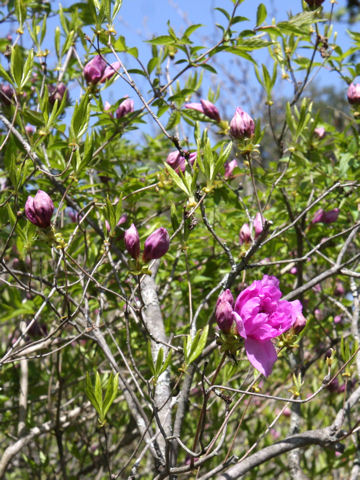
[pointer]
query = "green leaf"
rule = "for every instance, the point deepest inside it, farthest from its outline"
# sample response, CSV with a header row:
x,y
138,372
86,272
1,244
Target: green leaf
x,y
89,390
260,14
16,65
111,391
27,68
5,75
192,29
159,361
162,40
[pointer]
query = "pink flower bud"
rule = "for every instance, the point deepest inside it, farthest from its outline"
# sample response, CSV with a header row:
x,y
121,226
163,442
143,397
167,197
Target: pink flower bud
x,y
293,270
331,216
57,92
224,311
156,245
107,106
110,71
299,324
122,220
314,3
125,107
132,241
205,107
353,93
39,209
337,319
229,168
6,94
245,234
242,125
107,226
30,130
258,224
319,216
287,412
339,290
94,70
320,132
177,162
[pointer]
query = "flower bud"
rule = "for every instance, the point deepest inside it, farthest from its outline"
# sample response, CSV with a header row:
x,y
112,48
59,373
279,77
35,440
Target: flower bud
x,y
314,3
39,209
242,125
224,311
245,234
110,71
205,107
299,324
30,130
177,162
6,94
331,216
229,168
57,92
320,132
258,224
94,70
125,107
107,106
156,245
122,220
132,241
319,216
353,93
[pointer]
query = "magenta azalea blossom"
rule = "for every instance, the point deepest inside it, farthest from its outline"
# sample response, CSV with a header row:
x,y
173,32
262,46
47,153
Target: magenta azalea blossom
x,y
260,315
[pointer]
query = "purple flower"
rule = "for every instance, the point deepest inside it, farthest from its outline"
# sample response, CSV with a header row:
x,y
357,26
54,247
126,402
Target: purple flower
x,y
205,107
242,125
224,311
245,234
258,224
325,217
125,107
6,94
229,168
353,93
320,132
39,209
177,162
132,241
110,71
57,92
339,289
260,315
156,245
94,70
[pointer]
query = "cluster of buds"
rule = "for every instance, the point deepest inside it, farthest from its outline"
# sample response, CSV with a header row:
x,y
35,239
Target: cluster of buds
x,y
39,209
97,70
205,107
57,92
325,217
245,231
241,125
156,245
177,162
353,94
6,94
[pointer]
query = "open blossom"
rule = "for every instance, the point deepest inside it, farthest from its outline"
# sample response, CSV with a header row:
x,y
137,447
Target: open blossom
x,y
320,132
205,107
261,315
242,125
39,209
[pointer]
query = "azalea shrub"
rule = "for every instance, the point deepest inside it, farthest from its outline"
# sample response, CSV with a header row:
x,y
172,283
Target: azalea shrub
x,y
179,268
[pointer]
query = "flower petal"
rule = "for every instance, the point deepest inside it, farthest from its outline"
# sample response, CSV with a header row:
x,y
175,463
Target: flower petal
x,y
261,355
